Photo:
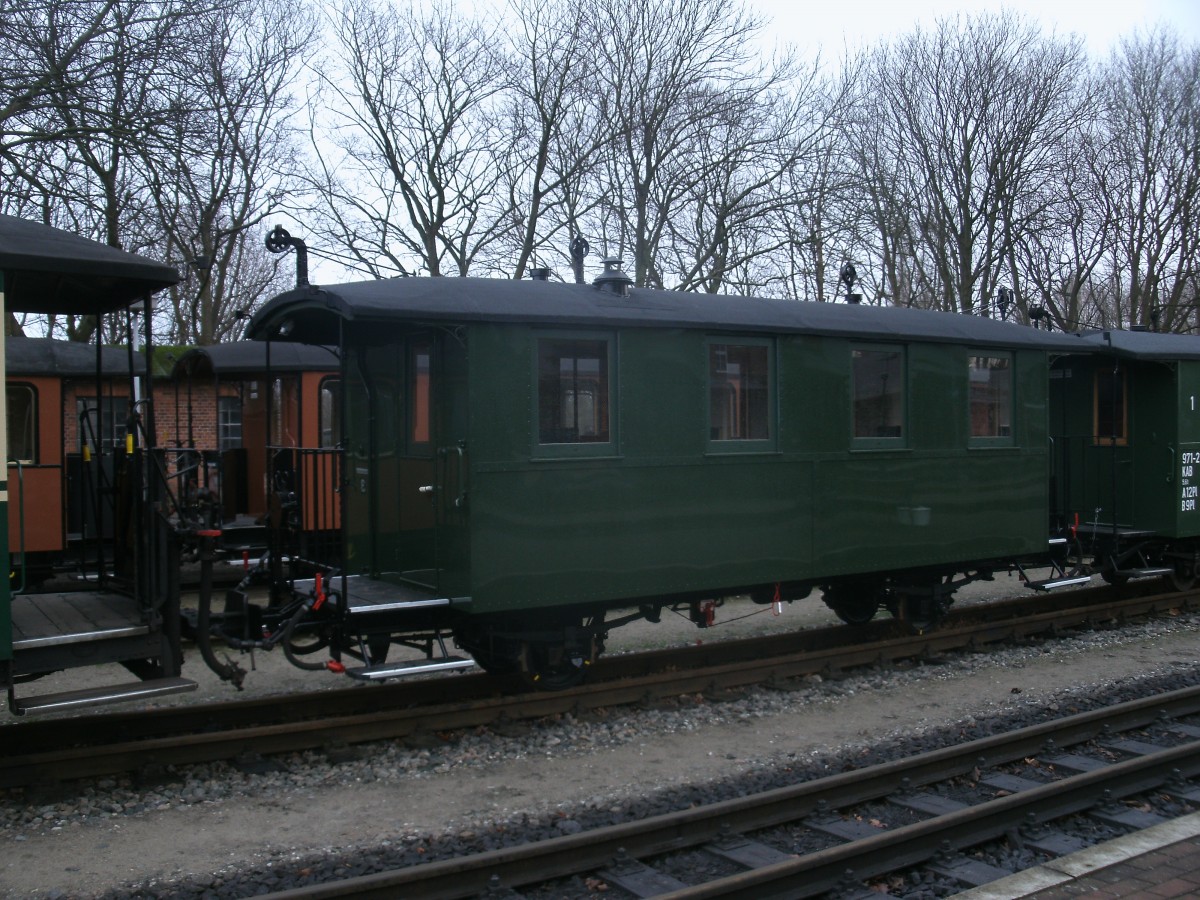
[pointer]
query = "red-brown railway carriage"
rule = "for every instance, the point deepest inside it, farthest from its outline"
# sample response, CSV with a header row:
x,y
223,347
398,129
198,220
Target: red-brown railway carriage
x,y
254,447
68,405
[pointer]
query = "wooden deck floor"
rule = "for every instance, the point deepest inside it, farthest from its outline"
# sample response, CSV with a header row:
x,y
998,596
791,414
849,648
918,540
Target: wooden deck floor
x,y
46,620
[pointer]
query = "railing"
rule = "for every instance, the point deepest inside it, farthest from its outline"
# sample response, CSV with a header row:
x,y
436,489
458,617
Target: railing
x,y
193,480
305,509
19,586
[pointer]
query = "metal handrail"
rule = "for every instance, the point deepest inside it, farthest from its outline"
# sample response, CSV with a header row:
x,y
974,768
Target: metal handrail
x,y
20,526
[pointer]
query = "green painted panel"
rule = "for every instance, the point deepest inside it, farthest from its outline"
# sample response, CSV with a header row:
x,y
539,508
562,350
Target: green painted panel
x,y
1152,452
571,532
891,511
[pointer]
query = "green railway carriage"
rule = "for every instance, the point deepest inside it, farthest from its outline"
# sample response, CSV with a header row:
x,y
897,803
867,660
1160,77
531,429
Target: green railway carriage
x,y
1126,426
521,457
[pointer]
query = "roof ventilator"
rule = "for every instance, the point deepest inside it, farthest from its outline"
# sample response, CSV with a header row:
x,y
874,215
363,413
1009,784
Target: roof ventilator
x,y
612,279
280,241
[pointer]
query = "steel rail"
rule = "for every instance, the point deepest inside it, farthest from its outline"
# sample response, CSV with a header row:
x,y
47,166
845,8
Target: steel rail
x,y
819,872
908,845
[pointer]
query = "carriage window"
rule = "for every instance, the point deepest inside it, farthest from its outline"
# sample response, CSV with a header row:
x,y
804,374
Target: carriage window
x,y
739,392
573,391
418,380
989,380
22,423
1110,411
106,429
229,422
329,418
878,384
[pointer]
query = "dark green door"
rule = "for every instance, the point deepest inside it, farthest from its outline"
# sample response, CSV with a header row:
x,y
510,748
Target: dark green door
x,y
407,476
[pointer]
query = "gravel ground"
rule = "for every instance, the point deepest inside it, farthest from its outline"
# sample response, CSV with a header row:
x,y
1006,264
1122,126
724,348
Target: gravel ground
x,y
223,831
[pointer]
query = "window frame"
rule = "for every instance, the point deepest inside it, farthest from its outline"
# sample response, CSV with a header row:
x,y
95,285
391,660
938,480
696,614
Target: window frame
x,y
329,416
226,403
992,440
107,408
34,427
1108,440
880,442
722,446
418,395
574,449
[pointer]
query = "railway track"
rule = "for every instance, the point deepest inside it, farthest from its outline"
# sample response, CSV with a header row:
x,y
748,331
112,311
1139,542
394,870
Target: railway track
x,y
63,749
1016,787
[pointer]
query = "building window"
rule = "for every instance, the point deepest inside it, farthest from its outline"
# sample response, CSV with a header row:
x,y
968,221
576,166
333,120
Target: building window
x,y
990,383
22,423
102,428
229,423
573,391
739,392
329,412
1110,408
878,385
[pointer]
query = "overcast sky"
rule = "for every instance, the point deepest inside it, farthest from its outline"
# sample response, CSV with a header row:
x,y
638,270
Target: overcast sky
x,y
833,24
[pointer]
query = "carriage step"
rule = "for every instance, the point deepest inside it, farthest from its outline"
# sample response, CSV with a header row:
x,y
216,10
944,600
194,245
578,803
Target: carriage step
x,y
1148,572
409,667
366,609
1053,583
116,693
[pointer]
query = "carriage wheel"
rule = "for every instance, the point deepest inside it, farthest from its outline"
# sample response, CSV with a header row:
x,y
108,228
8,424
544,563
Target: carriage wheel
x,y
548,667
921,614
1184,576
855,603
493,664
920,609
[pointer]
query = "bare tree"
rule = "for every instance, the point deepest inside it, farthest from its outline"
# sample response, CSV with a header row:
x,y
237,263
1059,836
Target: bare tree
x,y
967,116
225,164
1148,173
156,129
764,161
47,46
91,92
1063,240
555,132
816,221
670,76
409,173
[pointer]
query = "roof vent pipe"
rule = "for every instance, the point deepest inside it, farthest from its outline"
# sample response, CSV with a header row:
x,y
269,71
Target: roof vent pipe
x,y
849,277
612,279
579,249
278,241
539,274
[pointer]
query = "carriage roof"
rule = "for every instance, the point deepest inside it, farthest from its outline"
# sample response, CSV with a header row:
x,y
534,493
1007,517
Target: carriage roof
x,y
46,356
1148,345
250,358
47,270
312,314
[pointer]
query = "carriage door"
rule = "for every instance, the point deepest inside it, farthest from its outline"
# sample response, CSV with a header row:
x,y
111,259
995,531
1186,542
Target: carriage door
x,y
403,481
